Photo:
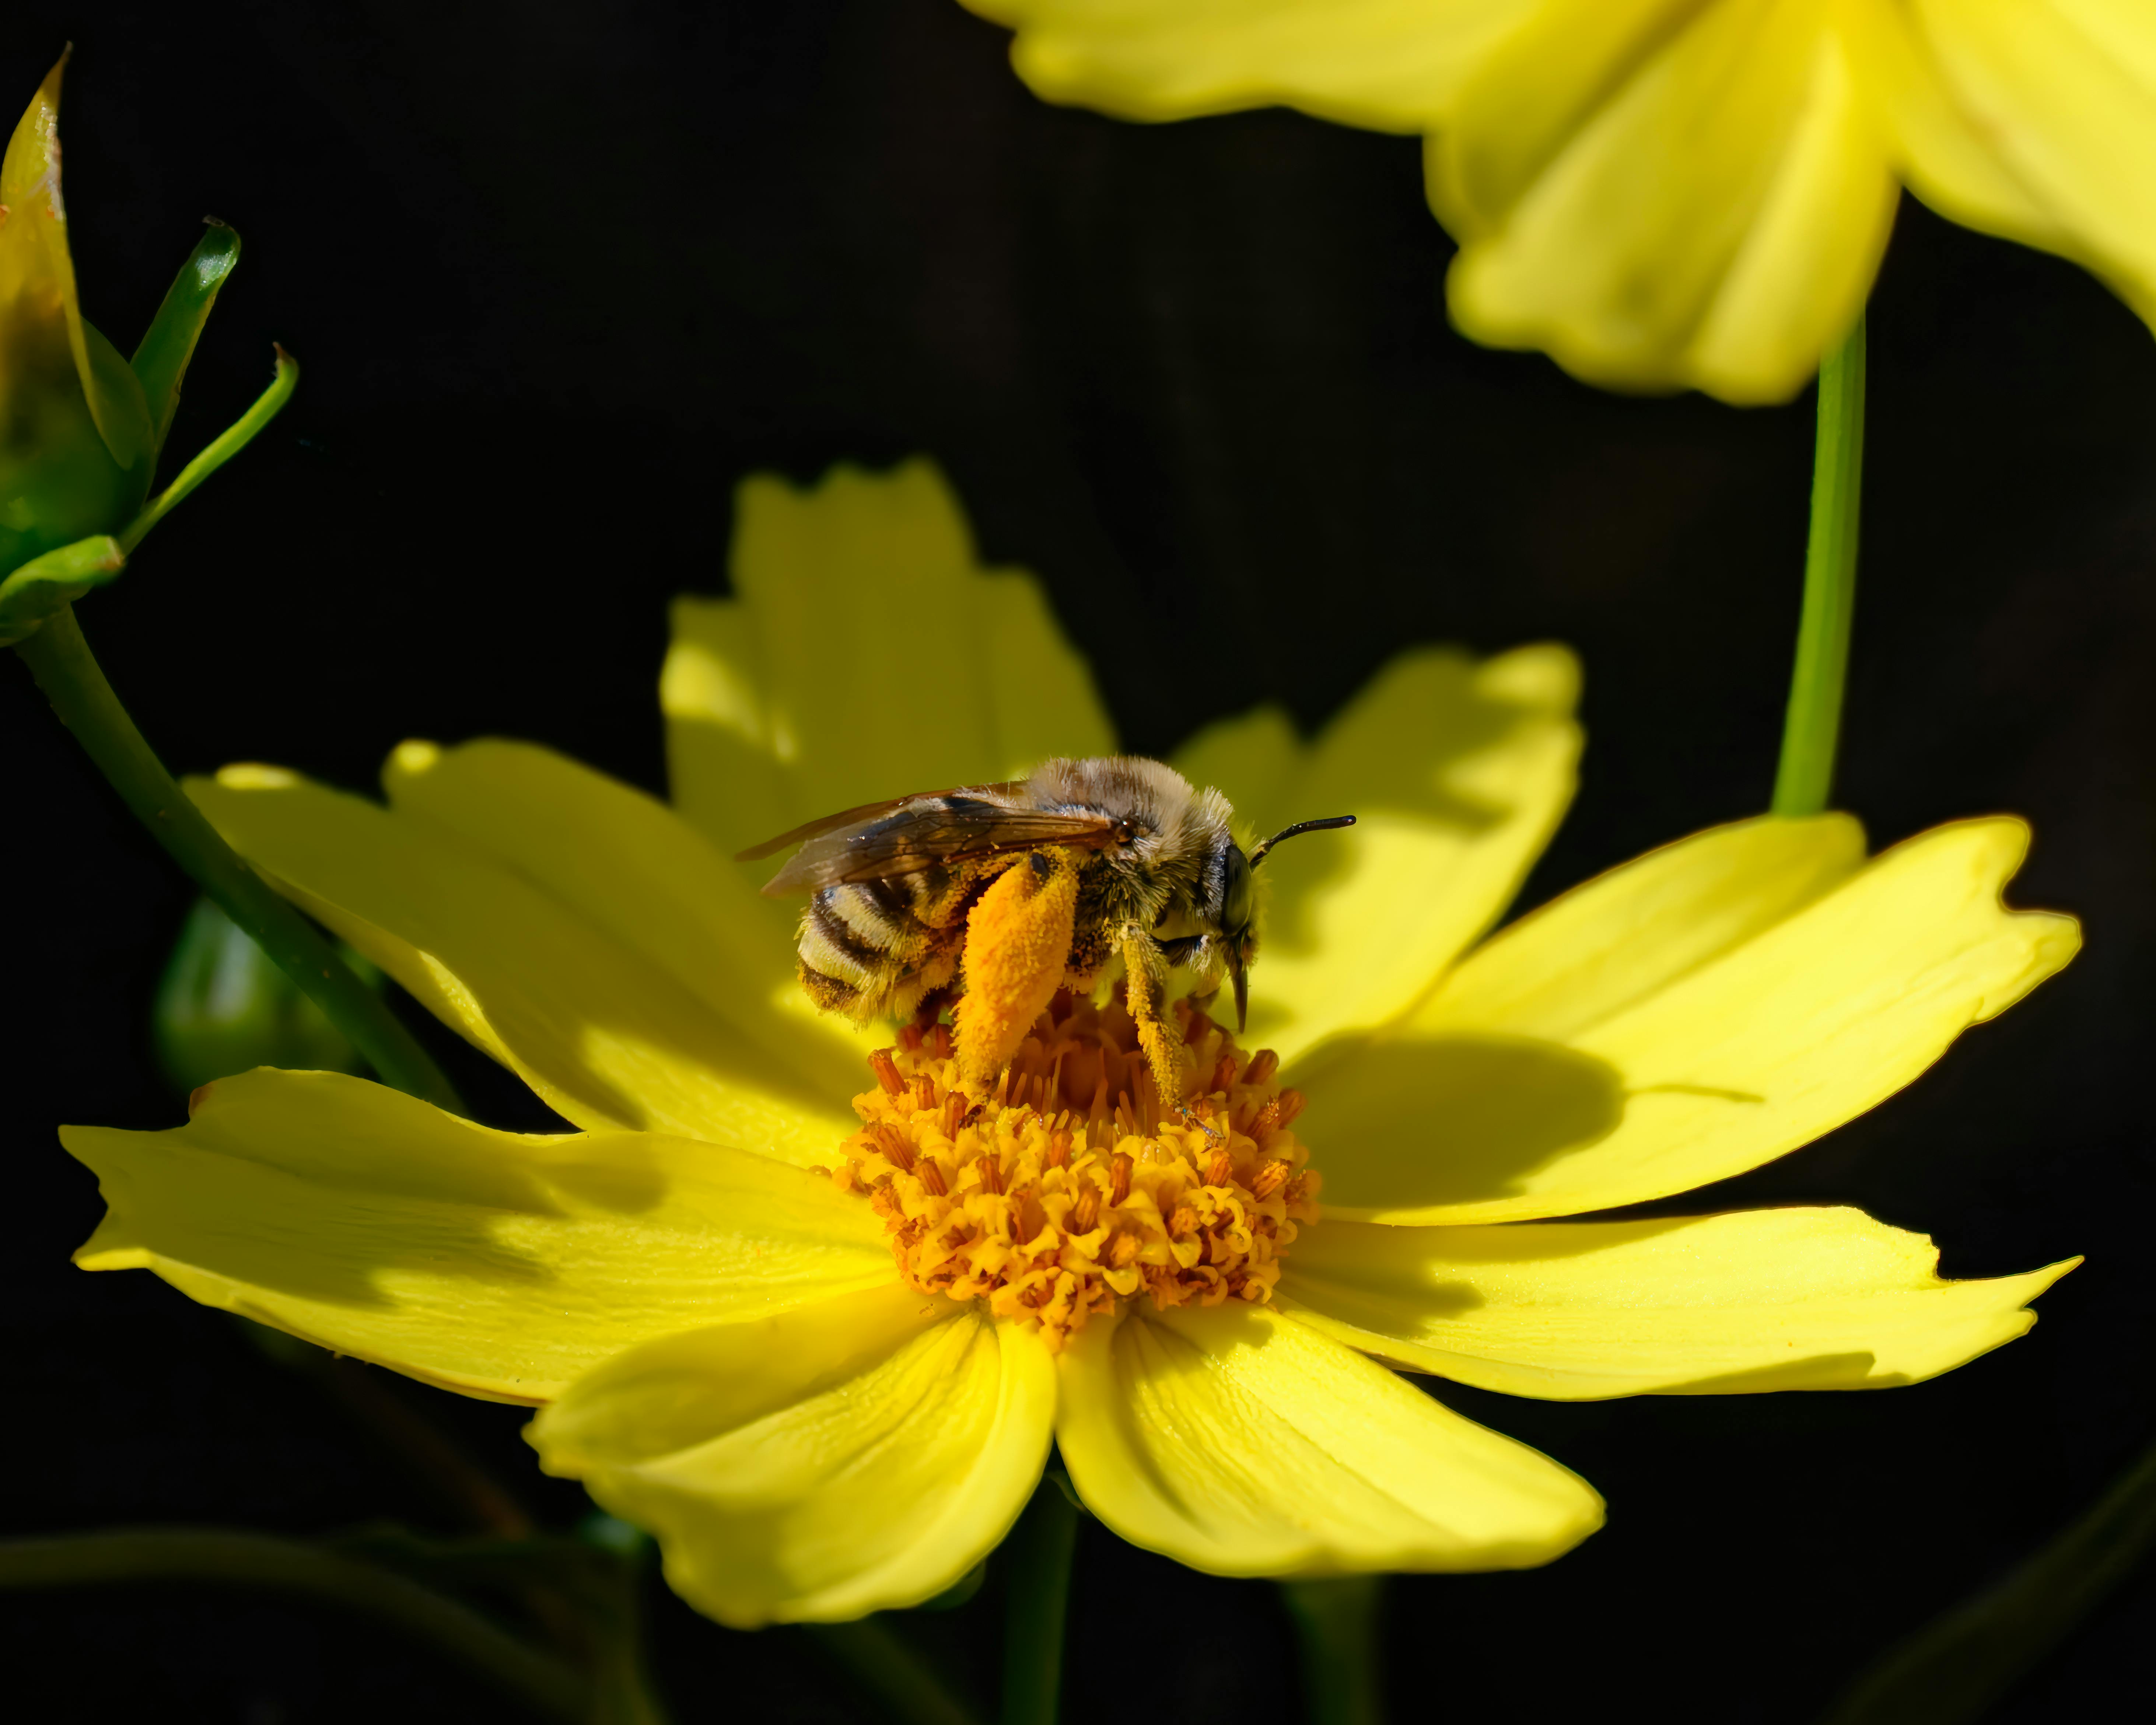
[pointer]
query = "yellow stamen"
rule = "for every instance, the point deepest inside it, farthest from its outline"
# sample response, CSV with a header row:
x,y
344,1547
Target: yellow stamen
x,y
1056,1196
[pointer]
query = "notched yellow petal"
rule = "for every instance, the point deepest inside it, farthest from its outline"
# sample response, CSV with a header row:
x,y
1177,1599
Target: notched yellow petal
x,y
607,1035
632,868
866,652
1241,1442
498,1263
1503,1099
1457,771
819,1464
1785,1299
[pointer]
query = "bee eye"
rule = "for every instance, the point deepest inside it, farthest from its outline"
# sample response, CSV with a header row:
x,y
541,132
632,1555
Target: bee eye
x,y
1237,895
1125,832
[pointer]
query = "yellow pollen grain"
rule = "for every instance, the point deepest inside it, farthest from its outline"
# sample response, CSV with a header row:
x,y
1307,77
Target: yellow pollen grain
x,y
1053,1195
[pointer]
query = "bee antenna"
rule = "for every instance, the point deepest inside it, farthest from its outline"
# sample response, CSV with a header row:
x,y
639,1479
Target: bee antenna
x,y
1330,822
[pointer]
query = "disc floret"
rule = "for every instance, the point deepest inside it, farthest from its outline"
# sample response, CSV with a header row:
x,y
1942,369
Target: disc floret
x,y
1063,1191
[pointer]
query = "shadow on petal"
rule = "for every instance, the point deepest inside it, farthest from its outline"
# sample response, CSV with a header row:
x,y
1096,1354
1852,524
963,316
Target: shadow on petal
x,y
1403,1123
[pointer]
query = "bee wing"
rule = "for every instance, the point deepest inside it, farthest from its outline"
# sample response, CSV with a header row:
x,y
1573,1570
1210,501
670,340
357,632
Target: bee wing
x,y
950,827
867,812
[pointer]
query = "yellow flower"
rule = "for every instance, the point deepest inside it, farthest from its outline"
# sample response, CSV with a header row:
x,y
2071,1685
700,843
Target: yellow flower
x,y
1667,192
822,1352
77,442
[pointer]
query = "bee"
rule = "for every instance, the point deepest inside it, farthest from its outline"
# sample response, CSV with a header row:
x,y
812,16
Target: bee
x,y
1160,884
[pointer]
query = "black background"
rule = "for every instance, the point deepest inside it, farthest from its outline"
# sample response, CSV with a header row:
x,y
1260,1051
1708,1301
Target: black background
x,y
560,274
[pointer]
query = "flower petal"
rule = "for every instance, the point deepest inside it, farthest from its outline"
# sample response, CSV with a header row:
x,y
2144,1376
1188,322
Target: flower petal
x,y
1662,195
819,1464
1240,1442
866,654
1382,64
602,1032
1639,928
495,1263
635,869
1543,1080
1457,771
1787,1299
2035,118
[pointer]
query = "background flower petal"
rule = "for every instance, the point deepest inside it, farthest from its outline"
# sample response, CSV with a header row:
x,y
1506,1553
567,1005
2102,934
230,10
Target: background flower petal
x,y
866,652
1507,1101
819,1464
605,1033
1457,771
1782,1299
2035,118
1661,195
494,1263
1389,64
1240,1442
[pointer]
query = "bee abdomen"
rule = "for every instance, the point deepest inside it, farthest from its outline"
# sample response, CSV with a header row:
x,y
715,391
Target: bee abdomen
x,y
845,937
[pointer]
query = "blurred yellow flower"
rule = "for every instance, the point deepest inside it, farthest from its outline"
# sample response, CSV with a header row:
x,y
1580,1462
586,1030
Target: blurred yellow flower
x,y
1669,192
822,1352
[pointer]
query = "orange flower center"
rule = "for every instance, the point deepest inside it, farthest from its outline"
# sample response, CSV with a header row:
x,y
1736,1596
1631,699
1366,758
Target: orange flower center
x,y
1059,1194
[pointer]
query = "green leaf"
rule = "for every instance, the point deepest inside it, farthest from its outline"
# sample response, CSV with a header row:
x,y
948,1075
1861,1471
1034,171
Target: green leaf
x,y
1955,1669
161,361
59,577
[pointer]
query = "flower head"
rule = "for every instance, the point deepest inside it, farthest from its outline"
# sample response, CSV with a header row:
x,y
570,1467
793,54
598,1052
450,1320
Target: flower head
x,y
1065,1191
809,1308
1662,194
76,441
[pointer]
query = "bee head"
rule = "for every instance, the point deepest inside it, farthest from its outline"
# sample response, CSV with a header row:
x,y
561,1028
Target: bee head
x,y
1239,903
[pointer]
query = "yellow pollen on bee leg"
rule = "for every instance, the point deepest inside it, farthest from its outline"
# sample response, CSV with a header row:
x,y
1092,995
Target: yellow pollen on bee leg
x,y
1053,1197
1017,942
1163,1057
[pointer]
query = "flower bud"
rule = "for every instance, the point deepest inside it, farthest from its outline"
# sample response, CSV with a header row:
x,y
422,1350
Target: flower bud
x,y
224,1008
76,440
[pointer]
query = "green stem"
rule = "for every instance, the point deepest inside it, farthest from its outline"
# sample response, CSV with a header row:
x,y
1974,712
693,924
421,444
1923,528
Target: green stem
x,y
623,1691
900,1678
1813,726
228,442
60,659
1337,1624
1040,1549
286,1566
1956,1670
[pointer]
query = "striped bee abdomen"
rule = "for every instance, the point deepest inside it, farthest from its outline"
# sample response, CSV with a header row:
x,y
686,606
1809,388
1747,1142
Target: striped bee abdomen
x,y
874,948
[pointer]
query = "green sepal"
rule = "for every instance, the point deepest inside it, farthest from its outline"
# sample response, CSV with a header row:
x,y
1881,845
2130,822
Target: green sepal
x,y
223,1007
228,442
59,577
160,360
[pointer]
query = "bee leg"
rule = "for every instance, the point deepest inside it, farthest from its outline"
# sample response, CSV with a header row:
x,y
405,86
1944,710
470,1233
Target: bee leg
x,y
1018,942
933,1005
1142,960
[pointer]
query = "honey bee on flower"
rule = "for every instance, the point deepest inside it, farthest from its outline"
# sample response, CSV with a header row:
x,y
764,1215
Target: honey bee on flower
x,y
1037,884
819,1335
